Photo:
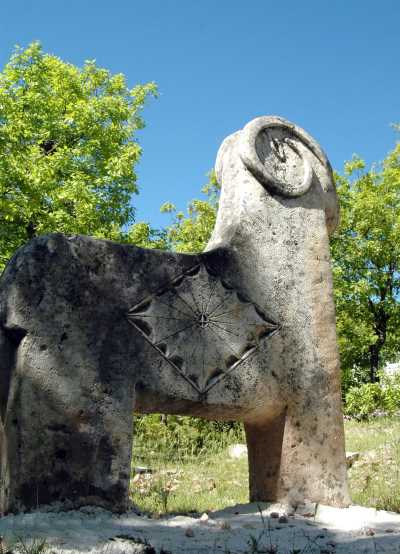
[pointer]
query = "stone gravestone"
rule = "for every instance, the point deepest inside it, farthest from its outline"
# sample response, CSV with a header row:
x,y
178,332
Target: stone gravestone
x,y
91,330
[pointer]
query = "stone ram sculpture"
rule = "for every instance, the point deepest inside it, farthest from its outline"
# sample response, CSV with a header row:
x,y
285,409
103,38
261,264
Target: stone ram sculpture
x,y
91,330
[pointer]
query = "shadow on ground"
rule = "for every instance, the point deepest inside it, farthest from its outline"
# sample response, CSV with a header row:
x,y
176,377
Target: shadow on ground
x,y
247,528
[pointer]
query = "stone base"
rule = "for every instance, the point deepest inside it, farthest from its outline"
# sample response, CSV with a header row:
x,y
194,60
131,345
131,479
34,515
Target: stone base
x,y
353,529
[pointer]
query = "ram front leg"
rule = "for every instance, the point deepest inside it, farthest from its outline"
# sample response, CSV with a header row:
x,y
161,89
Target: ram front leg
x,y
313,463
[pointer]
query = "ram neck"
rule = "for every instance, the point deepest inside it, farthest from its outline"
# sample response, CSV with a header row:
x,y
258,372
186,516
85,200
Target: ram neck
x,y
280,259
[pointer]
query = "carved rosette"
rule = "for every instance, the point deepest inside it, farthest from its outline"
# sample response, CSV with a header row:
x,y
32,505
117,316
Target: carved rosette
x,y
201,326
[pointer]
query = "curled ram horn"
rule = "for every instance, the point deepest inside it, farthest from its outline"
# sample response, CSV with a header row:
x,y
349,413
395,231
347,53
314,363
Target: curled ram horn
x,y
279,154
284,160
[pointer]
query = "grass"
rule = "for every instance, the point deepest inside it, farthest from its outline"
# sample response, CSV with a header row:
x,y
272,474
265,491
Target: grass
x,y
20,545
197,476
209,482
375,478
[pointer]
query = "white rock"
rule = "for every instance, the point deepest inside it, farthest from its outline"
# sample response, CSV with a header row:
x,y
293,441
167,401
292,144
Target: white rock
x,y
351,457
306,509
236,451
141,469
346,519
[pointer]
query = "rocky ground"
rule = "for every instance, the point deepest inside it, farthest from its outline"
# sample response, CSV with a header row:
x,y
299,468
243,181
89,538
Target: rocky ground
x,y
247,528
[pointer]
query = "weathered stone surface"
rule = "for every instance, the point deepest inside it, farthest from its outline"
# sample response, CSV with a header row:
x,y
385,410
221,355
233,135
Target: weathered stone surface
x,y
90,329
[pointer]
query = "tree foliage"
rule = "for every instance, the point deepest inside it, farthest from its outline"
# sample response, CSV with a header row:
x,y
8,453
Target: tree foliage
x,y
187,232
366,255
370,398
68,149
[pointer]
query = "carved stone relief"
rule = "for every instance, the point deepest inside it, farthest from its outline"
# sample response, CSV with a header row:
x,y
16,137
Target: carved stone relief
x,y
201,326
284,157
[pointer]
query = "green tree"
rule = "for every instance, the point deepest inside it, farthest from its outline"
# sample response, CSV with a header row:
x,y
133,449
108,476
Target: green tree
x,y
187,232
143,235
67,148
366,256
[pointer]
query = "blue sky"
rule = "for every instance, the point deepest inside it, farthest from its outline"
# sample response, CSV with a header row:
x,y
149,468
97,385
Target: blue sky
x,y
330,66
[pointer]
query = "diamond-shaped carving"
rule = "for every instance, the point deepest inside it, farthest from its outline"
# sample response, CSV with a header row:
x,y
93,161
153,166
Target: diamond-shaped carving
x,y
201,326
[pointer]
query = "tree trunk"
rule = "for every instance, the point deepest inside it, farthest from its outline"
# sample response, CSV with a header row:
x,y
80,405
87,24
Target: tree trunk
x,y
31,230
374,351
380,327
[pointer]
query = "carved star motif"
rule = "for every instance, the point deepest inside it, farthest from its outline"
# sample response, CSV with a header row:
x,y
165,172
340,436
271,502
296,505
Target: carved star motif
x,y
201,326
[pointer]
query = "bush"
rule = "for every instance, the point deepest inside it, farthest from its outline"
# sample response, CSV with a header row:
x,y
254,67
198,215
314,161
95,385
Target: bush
x,y
391,388
354,376
176,436
362,401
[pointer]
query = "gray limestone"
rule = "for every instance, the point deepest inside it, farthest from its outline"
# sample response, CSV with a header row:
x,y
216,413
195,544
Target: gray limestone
x,y
91,330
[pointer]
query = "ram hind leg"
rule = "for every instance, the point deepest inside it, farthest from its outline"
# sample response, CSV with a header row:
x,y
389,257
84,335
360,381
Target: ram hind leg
x,y
264,446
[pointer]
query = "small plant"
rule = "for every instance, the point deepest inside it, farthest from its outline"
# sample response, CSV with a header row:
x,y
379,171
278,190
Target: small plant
x,y
255,543
33,546
364,400
163,488
3,547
